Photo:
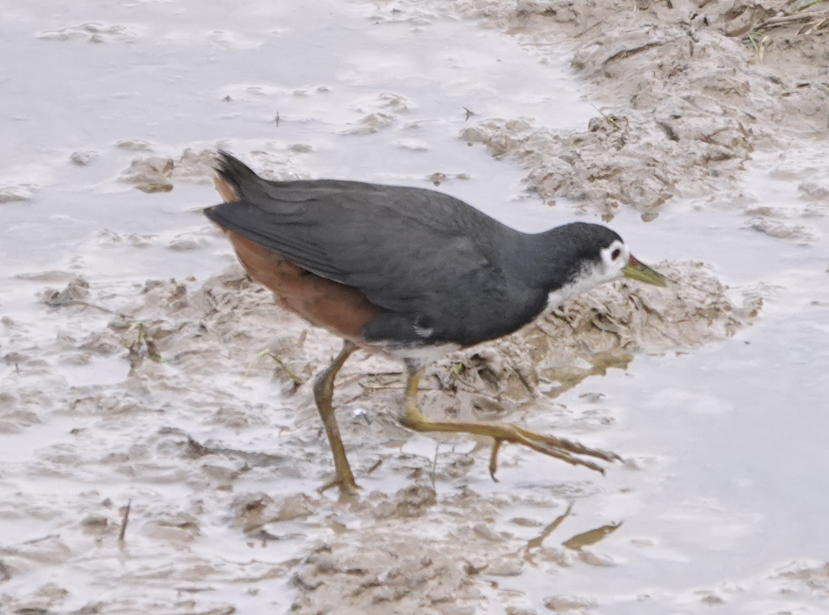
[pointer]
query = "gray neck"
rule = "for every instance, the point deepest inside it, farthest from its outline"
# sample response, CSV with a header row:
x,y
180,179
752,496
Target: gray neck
x,y
544,260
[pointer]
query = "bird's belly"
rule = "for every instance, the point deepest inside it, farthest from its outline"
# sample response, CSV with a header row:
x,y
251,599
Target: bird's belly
x,y
340,309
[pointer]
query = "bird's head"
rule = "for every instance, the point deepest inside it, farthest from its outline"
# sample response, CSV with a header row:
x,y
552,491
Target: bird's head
x,y
591,254
616,261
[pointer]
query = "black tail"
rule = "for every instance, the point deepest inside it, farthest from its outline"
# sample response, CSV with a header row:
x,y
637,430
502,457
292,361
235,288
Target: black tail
x,y
228,216
240,177
236,173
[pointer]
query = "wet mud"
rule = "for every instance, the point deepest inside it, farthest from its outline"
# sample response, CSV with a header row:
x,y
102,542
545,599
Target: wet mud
x,y
164,451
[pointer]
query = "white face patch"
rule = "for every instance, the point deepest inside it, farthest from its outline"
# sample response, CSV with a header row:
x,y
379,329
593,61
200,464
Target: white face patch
x,y
614,259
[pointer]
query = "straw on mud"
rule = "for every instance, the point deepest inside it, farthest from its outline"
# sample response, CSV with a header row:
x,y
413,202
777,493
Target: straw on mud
x,y
807,5
607,117
812,21
758,48
297,380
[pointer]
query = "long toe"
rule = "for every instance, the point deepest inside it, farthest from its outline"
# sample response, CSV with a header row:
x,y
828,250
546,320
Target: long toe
x,y
346,485
562,444
562,449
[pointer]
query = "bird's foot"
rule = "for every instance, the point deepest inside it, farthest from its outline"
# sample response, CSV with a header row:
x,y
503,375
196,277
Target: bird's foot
x,y
500,433
346,484
560,448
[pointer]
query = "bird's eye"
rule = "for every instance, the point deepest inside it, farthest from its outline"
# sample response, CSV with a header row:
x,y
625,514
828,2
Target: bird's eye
x,y
616,254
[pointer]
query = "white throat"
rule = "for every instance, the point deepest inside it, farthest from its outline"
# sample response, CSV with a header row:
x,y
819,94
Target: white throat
x,y
557,297
613,259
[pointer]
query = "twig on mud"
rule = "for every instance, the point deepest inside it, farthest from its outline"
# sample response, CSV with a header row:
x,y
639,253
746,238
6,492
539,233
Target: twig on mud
x,y
124,522
69,302
626,53
34,541
376,465
297,380
607,117
379,387
814,25
811,21
356,377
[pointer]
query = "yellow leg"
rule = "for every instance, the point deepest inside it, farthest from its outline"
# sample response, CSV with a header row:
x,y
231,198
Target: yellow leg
x,y
323,395
501,432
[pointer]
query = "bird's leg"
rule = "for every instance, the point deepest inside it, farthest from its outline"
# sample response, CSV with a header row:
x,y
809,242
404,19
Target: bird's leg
x,y
323,395
501,432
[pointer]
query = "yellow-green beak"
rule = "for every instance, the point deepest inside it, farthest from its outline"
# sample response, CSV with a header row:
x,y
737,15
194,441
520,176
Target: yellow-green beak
x,y
639,271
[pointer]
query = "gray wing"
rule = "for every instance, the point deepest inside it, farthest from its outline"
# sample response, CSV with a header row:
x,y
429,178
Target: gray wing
x,y
425,256
359,238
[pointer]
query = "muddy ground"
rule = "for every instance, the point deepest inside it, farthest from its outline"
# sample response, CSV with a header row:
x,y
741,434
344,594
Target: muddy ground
x,y
197,393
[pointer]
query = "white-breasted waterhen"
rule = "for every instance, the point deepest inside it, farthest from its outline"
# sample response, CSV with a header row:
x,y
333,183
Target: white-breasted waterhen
x,y
413,273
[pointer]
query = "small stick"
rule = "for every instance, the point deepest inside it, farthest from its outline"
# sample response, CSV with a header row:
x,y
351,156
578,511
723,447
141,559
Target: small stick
x,y
376,465
124,522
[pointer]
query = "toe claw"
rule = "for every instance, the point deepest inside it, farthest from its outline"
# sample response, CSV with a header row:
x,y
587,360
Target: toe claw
x,y
565,450
346,486
493,459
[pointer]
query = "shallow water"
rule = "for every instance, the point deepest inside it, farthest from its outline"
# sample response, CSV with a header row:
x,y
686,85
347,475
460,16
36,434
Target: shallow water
x,y
734,430
165,78
730,437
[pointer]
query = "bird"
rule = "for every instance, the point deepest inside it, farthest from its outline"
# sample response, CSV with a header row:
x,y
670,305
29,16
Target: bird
x,y
412,273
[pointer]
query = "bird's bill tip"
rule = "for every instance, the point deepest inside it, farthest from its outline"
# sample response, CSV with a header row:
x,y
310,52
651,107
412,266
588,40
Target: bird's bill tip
x,y
639,271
